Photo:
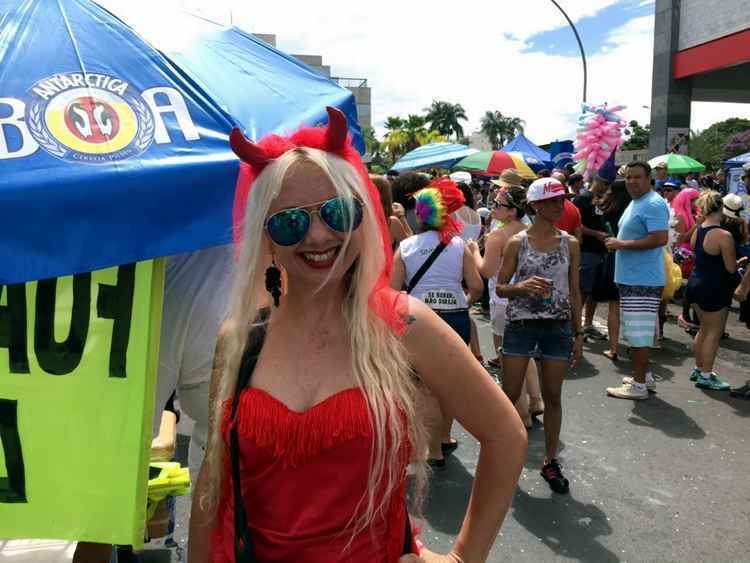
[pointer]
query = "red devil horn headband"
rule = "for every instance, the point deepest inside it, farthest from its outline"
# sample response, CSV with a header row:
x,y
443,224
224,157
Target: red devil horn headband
x,y
256,156
337,129
247,150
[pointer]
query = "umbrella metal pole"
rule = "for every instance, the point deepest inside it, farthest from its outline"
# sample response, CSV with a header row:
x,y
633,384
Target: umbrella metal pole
x,y
580,46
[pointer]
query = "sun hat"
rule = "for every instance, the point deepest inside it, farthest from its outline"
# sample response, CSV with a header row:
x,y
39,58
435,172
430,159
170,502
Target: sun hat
x,y
733,206
545,188
510,177
661,164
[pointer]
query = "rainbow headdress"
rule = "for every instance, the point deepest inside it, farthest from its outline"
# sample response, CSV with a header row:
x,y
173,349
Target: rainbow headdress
x,y
434,205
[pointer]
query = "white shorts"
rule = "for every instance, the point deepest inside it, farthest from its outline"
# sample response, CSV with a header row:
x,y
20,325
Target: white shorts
x,y
497,318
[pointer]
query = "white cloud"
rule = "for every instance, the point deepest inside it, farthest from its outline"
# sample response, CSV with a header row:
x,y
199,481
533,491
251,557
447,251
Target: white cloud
x,y
412,52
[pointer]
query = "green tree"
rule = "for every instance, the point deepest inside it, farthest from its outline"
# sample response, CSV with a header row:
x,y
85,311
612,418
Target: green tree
x,y
499,128
403,136
372,145
512,127
445,117
492,125
638,137
393,122
738,144
708,145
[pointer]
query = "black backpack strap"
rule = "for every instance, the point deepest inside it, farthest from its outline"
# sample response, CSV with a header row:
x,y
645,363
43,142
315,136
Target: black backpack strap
x,y
408,538
243,541
424,267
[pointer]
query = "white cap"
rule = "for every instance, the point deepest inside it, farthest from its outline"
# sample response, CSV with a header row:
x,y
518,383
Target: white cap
x,y
461,176
483,212
545,188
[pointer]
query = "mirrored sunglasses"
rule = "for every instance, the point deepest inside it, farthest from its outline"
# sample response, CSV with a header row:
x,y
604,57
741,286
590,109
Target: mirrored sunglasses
x,y
290,226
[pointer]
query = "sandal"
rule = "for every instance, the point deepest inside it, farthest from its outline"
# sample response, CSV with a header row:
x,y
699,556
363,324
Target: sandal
x,y
610,354
741,392
536,407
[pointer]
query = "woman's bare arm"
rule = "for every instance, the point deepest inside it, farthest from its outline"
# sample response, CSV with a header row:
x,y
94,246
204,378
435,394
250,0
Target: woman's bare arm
x,y
465,392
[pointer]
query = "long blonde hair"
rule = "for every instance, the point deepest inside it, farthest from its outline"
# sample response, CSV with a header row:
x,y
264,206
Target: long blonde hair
x,y
379,361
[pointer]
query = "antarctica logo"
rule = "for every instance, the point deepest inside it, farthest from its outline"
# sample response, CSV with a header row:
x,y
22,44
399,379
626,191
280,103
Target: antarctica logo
x,y
88,118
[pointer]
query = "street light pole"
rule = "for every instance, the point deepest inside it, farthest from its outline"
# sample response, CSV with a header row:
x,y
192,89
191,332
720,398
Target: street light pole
x,y
580,46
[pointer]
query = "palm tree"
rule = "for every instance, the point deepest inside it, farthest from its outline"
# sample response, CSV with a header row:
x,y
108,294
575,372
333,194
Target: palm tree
x,y
444,118
393,122
372,145
492,125
514,126
499,128
414,129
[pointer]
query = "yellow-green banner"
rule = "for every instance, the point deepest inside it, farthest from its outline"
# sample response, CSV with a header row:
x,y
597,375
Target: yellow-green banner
x,y
78,360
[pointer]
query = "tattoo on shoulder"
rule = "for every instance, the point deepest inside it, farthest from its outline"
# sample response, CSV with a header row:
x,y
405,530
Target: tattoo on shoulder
x,y
411,319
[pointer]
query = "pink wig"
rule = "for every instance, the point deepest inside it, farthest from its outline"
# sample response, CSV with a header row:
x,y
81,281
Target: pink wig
x,y
683,205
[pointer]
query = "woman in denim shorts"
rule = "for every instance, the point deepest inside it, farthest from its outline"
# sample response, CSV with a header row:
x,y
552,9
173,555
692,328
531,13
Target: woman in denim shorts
x,y
539,276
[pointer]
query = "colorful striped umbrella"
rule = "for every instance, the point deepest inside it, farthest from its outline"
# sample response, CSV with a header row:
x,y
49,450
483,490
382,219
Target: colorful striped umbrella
x,y
492,163
678,163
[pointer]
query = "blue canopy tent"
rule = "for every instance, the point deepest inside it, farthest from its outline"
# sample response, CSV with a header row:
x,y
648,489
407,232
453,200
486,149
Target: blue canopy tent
x,y
738,161
115,150
433,155
530,151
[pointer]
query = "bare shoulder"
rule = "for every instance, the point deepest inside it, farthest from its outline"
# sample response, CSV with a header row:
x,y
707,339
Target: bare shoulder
x,y
573,243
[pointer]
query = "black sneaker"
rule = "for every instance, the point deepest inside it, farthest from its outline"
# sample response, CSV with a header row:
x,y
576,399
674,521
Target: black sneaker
x,y
552,473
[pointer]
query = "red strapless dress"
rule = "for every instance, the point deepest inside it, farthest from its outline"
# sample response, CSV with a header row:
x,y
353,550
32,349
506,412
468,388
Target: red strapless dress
x,y
303,475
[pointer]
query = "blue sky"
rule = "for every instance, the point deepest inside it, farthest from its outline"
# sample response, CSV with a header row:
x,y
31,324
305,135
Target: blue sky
x,y
519,58
595,31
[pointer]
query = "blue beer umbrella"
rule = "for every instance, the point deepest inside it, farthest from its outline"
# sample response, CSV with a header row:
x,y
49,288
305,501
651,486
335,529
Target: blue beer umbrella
x,y
114,149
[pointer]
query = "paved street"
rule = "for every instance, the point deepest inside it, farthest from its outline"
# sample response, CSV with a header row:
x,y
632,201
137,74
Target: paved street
x,y
657,480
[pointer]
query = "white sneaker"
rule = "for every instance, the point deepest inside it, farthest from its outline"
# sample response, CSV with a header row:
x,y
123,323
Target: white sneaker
x,y
628,391
650,383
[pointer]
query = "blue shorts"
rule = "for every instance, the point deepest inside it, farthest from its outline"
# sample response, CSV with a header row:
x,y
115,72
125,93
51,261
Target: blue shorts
x,y
458,321
549,339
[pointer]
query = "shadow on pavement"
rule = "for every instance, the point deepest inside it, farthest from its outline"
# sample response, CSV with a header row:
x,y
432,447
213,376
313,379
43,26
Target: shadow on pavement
x,y
448,497
660,415
566,526
585,369
736,345
535,452
741,406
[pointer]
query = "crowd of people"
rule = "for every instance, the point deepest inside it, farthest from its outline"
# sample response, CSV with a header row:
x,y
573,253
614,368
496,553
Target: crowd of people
x,y
550,250
347,347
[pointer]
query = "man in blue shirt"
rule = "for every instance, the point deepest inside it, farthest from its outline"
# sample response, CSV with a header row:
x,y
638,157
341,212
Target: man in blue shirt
x,y
640,275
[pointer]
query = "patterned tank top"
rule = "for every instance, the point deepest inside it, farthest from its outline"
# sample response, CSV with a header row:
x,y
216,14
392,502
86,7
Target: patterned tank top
x,y
554,267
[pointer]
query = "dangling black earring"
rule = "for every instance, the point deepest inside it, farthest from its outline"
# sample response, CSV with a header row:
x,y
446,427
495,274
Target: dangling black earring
x,y
273,282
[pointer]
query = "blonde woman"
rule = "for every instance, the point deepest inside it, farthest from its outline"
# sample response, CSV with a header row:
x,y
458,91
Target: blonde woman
x,y
710,287
314,400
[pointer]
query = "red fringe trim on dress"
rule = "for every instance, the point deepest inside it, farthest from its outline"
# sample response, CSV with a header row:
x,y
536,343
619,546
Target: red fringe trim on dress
x,y
295,437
